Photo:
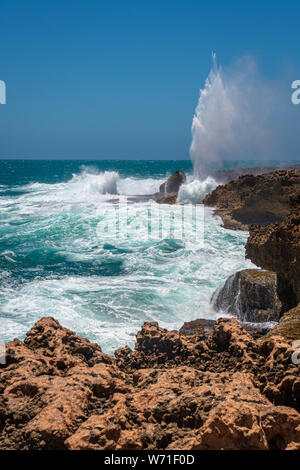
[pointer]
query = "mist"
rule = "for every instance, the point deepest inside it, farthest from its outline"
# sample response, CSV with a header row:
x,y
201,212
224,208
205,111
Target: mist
x,y
241,115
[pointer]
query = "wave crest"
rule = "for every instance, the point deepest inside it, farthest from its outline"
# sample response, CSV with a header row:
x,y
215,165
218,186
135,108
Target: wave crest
x,y
89,181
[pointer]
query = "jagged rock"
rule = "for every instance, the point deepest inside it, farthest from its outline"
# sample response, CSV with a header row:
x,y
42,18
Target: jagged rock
x,y
173,183
261,200
50,383
250,295
219,390
168,191
277,247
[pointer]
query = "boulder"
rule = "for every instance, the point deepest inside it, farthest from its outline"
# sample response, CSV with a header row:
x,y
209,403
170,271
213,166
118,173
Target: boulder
x,y
173,183
250,295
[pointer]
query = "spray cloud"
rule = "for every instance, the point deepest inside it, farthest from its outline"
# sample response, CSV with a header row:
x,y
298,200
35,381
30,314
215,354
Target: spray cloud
x,y
241,116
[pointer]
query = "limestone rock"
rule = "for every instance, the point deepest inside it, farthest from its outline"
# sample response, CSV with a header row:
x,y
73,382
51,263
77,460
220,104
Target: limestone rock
x,y
289,326
261,200
217,389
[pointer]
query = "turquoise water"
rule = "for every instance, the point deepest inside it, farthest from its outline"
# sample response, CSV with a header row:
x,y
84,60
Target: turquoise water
x,y
55,262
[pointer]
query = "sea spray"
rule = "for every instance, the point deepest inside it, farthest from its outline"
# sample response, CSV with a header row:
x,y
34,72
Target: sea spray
x,y
213,123
241,115
195,190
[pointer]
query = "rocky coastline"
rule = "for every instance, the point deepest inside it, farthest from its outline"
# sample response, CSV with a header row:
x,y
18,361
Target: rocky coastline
x,y
209,386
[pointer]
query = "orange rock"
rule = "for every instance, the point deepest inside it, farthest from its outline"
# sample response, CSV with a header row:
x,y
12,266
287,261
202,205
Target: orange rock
x,y
218,390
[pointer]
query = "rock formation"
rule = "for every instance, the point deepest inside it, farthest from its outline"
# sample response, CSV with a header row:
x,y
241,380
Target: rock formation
x,y
217,389
250,295
260,200
173,183
277,247
168,191
289,325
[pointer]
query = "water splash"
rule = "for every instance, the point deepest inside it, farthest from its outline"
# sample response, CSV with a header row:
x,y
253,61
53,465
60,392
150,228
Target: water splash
x,y
213,122
194,191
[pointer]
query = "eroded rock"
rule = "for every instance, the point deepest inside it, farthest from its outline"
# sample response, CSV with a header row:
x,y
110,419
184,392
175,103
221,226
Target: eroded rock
x,y
215,389
250,295
277,247
261,200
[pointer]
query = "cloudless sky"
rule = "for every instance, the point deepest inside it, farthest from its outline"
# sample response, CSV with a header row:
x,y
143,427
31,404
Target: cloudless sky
x,y
120,79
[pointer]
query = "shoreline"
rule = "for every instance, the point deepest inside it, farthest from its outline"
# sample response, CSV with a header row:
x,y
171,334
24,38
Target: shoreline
x,y
208,386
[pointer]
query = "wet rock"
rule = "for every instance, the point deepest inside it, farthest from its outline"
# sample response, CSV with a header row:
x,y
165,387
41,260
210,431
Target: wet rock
x,y
168,191
170,199
173,183
250,295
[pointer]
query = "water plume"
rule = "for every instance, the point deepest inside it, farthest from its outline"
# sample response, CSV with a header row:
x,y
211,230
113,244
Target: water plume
x,y
241,115
213,122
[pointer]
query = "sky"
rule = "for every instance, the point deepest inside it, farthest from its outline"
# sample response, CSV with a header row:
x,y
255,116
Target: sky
x,y
120,79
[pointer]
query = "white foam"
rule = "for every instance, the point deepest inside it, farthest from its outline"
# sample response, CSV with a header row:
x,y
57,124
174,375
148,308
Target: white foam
x,y
88,182
135,186
195,190
165,281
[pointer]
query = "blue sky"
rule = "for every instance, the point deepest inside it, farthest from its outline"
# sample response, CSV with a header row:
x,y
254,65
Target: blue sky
x,y
120,79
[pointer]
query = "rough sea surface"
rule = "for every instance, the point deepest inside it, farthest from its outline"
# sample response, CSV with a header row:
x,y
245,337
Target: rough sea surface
x,y
55,262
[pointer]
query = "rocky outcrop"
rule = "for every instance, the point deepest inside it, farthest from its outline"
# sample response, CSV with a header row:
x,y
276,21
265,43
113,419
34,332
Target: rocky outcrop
x,y
224,176
277,247
173,183
216,389
260,200
168,191
250,295
289,326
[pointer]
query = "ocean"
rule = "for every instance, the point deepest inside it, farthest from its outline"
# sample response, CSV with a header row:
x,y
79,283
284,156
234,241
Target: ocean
x,y
55,262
